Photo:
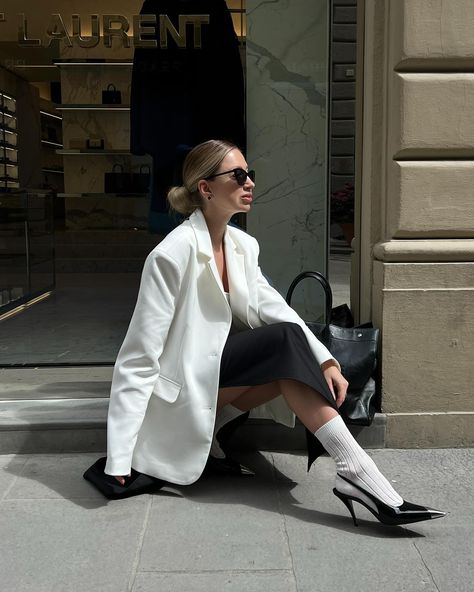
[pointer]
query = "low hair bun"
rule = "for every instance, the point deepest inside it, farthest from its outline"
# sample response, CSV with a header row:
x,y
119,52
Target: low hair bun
x,y
180,199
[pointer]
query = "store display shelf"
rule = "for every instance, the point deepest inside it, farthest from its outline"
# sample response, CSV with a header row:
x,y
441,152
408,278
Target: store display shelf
x,y
28,66
48,114
93,62
102,195
52,144
92,107
71,151
5,111
22,192
8,129
7,145
40,261
7,256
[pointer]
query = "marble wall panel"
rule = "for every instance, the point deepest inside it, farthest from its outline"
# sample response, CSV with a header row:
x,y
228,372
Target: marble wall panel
x,y
84,84
113,127
287,69
105,213
84,173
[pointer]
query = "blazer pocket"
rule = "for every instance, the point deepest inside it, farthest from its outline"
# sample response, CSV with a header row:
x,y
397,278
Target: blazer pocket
x,y
167,389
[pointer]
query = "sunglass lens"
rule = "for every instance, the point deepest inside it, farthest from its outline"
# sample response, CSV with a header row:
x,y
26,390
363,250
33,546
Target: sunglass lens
x,y
241,176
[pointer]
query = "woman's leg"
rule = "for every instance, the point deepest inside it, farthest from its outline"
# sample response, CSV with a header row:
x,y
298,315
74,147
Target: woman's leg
x,y
326,424
308,405
228,410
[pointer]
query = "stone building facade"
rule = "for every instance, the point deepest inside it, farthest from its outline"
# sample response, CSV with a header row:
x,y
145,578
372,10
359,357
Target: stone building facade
x,y
415,214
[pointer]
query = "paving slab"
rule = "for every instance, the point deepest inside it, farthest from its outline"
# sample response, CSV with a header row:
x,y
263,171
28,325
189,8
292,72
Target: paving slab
x,y
51,476
58,545
215,581
11,466
448,555
217,525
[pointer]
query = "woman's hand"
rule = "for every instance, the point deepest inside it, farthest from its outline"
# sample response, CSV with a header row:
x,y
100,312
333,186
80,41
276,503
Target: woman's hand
x,y
336,381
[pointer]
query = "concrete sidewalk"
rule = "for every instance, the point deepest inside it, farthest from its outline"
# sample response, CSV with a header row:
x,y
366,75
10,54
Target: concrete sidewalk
x,y
280,531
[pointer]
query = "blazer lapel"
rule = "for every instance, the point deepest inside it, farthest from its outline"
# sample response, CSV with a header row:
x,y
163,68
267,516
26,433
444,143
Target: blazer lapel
x,y
238,286
204,245
235,262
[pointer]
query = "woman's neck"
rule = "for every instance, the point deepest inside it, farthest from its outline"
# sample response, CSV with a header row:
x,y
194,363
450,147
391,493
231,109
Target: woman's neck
x,y
217,228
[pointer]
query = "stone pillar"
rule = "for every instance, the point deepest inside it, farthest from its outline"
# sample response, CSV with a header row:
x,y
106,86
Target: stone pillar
x,y
417,216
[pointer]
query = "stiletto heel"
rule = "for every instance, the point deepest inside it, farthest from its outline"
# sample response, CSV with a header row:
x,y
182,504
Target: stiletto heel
x,y
347,502
348,491
227,466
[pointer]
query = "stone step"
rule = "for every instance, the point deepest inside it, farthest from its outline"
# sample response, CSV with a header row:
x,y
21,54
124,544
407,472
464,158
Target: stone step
x,y
79,425
44,409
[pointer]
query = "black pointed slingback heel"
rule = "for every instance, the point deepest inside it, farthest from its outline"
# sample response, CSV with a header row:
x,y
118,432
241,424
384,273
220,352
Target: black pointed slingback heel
x,y
227,466
348,492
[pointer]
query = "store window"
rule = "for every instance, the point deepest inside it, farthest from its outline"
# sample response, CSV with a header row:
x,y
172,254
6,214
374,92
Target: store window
x,y
98,112
95,115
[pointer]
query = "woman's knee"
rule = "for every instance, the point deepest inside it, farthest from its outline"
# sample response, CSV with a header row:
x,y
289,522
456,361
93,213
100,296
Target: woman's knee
x,y
228,394
291,387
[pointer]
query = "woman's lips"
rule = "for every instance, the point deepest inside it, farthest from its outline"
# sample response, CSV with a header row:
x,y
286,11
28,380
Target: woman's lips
x,y
247,196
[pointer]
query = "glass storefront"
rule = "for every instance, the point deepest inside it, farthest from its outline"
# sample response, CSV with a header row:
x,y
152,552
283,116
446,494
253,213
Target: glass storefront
x,y
97,113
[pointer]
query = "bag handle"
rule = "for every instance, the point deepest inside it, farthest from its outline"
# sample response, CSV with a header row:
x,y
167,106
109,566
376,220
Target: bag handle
x,y
111,85
322,280
117,164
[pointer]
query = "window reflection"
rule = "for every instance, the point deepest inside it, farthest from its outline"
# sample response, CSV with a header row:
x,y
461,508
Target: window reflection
x,y
82,200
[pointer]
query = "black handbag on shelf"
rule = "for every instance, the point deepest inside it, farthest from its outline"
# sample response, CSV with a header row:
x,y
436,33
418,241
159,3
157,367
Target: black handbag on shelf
x,y
111,96
141,181
355,348
119,181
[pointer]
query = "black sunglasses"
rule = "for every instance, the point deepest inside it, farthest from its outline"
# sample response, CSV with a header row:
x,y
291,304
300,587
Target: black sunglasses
x,y
239,174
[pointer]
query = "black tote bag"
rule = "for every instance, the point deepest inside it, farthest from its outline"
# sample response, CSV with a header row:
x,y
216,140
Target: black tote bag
x,y
111,96
355,348
120,181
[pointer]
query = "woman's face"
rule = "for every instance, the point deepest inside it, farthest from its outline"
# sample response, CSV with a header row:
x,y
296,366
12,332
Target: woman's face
x,y
227,195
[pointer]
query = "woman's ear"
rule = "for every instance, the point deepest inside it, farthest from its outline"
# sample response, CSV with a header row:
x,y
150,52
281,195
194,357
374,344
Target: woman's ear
x,y
204,188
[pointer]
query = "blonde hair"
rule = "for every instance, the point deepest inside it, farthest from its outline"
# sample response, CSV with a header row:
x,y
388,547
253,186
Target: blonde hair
x,y
201,162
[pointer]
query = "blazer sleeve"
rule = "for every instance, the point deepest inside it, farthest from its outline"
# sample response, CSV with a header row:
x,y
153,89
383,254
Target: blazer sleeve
x,y
137,365
273,308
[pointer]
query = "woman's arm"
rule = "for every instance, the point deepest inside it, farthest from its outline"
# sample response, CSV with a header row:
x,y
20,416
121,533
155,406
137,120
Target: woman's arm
x,y
272,308
137,365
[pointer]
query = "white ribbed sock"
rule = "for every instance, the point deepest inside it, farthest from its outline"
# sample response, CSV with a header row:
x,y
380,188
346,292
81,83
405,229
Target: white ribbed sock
x,y
226,414
353,462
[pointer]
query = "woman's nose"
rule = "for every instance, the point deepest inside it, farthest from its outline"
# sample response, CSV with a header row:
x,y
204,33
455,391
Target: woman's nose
x,y
249,182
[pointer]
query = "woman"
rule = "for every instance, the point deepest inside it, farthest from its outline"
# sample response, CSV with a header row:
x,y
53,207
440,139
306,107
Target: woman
x,y
209,337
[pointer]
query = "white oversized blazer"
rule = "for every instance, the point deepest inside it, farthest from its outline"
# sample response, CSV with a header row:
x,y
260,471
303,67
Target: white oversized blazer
x,y
166,376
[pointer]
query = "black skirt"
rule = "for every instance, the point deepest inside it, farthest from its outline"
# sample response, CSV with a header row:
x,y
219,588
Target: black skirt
x,y
262,355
